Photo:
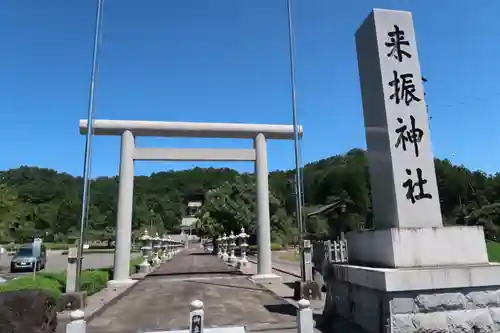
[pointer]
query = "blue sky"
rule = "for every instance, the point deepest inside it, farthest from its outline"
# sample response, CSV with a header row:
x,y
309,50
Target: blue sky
x,y
227,61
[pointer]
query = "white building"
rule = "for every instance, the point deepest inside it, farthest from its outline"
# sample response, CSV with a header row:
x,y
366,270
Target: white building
x,y
189,219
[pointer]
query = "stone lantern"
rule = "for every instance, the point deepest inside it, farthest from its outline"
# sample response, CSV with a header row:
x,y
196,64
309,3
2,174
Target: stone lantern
x,y
219,246
159,247
169,248
224,247
175,245
144,266
232,246
242,237
164,246
156,250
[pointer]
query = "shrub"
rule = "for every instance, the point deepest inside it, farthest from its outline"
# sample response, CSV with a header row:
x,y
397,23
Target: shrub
x,y
48,246
28,311
54,283
46,284
57,246
276,247
56,276
91,251
93,280
100,247
134,263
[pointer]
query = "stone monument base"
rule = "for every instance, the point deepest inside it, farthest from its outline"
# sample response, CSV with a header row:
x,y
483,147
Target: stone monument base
x,y
418,247
441,299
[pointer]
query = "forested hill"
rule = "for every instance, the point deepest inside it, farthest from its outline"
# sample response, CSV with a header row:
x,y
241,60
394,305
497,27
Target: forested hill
x,y
34,199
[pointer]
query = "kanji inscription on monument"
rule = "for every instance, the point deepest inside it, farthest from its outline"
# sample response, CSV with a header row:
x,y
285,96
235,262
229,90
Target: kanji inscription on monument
x,y
403,178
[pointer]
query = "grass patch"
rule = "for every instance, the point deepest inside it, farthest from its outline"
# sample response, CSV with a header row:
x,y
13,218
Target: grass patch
x,y
92,251
59,246
133,263
493,251
54,283
274,247
47,285
289,257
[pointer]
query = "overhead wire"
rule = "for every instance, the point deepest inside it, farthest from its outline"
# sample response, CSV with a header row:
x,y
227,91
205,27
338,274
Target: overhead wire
x,y
88,141
297,146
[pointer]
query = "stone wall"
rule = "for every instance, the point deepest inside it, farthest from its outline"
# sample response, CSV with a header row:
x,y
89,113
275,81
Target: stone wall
x,y
471,310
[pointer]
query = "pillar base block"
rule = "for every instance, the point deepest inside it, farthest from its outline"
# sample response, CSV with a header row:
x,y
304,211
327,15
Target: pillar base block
x,y
121,283
426,299
418,247
144,269
242,263
265,278
306,289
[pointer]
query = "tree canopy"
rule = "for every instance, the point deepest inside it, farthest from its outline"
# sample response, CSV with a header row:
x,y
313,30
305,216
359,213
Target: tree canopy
x,y
41,201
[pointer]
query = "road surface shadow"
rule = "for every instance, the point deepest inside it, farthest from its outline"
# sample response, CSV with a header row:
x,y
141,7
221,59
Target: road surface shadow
x,y
194,274
321,323
286,309
225,285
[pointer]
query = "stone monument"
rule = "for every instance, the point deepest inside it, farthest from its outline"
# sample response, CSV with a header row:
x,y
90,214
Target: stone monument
x,y
408,274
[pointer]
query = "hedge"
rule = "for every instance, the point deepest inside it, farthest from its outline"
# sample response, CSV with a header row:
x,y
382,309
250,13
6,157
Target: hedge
x,y
134,263
91,281
48,285
91,251
54,283
57,246
274,247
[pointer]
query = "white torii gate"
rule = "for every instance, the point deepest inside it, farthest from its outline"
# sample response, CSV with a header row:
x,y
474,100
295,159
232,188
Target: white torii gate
x,y
129,129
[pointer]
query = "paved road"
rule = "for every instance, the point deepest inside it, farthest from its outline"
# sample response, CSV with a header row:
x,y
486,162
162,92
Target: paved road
x,y
57,262
293,266
161,301
290,267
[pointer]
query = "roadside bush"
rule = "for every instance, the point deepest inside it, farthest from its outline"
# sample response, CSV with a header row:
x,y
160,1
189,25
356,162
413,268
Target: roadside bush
x,y
48,285
100,247
93,280
48,246
57,276
28,311
57,246
274,247
91,251
134,263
